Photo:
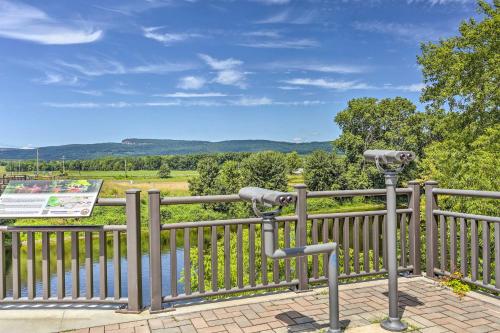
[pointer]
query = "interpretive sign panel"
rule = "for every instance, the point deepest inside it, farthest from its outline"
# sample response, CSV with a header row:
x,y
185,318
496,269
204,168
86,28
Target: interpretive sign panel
x,y
49,198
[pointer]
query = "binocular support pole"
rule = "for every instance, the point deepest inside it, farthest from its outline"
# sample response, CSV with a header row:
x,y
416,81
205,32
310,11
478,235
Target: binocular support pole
x,y
268,223
393,323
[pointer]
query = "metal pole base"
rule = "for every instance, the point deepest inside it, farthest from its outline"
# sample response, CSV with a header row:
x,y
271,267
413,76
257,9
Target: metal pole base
x,y
394,325
330,330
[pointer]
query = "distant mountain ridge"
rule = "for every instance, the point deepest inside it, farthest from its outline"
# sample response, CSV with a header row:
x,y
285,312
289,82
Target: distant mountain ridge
x,y
141,147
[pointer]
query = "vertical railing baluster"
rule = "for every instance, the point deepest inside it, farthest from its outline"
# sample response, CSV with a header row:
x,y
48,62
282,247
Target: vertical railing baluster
x,y
215,260
347,264
239,255
474,250
61,288
486,253
16,269
414,227
117,266
251,256
155,265
286,236
366,244
173,263
2,266
187,261
201,262
314,232
263,257
276,263
103,265
336,230
376,243
75,265
444,244
463,247
402,233
227,257
325,238
453,245
356,244
89,268
30,263
46,265
497,255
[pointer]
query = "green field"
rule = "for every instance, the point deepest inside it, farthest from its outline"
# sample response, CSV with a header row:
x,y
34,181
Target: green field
x,y
2,170
149,175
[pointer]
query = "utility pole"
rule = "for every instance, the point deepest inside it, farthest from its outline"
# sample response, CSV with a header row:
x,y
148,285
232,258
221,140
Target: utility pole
x,y
64,169
126,168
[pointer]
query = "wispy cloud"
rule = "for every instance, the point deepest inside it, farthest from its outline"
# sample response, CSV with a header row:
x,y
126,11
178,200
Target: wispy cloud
x,y
24,22
287,16
313,66
283,44
263,33
192,95
249,101
228,71
191,83
351,85
91,66
167,38
404,31
89,92
442,2
289,88
273,2
329,84
57,79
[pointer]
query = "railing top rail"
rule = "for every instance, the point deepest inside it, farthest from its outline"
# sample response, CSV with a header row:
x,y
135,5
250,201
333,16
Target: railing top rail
x,y
110,202
467,193
356,214
353,193
199,199
467,216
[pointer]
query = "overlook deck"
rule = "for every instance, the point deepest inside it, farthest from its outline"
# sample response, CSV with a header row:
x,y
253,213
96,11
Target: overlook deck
x,y
425,306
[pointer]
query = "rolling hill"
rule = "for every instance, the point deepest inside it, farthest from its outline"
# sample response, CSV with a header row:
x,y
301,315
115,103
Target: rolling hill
x,y
138,147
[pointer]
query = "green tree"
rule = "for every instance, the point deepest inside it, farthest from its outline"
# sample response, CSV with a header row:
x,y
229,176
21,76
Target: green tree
x,y
323,171
368,123
462,73
206,181
164,171
229,178
293,161
265,169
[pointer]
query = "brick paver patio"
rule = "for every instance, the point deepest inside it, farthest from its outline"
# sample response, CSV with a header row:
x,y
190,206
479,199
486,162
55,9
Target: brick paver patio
x,y
425,306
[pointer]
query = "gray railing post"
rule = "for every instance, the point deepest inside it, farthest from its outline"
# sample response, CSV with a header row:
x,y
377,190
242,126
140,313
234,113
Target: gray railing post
x,y
155,250
430,228
301,234
415,248
134,270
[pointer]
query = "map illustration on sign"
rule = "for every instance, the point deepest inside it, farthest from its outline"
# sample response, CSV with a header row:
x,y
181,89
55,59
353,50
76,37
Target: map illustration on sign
x,y
49,198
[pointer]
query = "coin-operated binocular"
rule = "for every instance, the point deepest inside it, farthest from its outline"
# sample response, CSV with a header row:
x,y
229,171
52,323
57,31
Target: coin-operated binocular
x,y
263,198
391,163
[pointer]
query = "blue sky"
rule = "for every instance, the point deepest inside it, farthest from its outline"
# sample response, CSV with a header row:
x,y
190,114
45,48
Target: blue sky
x,y
100,71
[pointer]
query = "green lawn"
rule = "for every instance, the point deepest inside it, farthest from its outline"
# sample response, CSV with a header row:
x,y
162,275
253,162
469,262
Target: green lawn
x,y
147,175
2,170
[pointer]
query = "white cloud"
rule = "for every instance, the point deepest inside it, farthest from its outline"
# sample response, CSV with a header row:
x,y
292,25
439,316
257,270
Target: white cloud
x,y
89,92
191,82
192,95
276,18
324,68
58,79
351,85
404,31
28,23
324,83
263,33
273,2
286,16
228,72
283,44
289,88
166,38
123,91
442,2
91,66
249,101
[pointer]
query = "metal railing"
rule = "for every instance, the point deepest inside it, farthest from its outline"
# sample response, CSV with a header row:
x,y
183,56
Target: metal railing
x,y
201,241
462,242
59,294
